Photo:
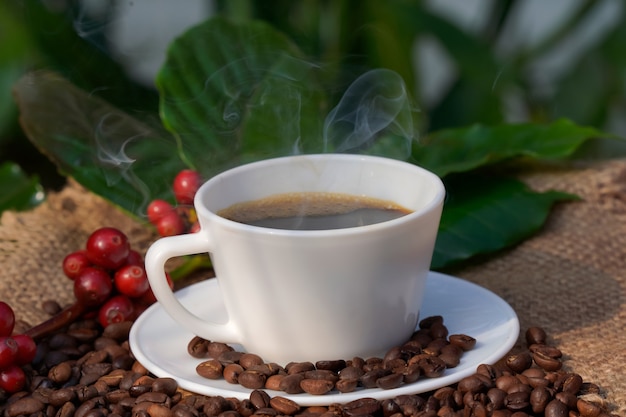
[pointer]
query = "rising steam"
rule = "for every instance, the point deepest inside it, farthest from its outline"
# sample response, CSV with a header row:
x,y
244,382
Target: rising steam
x,y
374,112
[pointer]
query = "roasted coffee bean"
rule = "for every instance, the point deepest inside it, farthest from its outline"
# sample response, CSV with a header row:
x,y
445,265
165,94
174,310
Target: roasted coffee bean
x,y
60,373
333,366
546,350
572,383
472,384
346,385
273,382
390,381
321,374
517,401
24,406
67,410
299,367
432,367
546,362
535,336
316,386
588,409
284,405
438,330
259,399
118,331
373,363
216,405
411,373
567,398
556,408
232,372
519,362
361,407
265,368
198,347
211,369
422,337
228,357
351,372
488,371
252,379
215,349
250,359
368,379
451,355
427,323
165,385
539,399
291,383
411,348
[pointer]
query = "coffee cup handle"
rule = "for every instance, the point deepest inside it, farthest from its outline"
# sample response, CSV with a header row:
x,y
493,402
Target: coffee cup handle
x,y
157,255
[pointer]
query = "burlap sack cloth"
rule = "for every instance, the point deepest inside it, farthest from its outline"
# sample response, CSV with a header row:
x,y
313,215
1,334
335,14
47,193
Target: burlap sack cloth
x,y
569,279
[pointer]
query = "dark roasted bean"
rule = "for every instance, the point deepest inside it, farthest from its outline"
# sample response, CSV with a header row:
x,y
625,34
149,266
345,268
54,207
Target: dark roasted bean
x,y
361,407
556,408
346,385
316,386
291,383
284,405
519,362
24,406
250,359
390,381
259,399
198,347
299,367
252,379
165,385
232,372
535,335
211,369
334,365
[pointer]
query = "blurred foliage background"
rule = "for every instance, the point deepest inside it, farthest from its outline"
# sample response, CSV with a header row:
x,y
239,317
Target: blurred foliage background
x,y
464,61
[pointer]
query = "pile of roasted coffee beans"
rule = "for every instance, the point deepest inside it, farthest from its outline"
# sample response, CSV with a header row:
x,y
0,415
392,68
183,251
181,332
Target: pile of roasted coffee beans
x,y
427,354
85,371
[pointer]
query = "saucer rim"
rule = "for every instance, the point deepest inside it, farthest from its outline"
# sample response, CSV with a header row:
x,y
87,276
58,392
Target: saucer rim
x,y
511,327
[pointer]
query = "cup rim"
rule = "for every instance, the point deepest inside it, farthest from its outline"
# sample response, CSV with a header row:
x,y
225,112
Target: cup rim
x,y
437,199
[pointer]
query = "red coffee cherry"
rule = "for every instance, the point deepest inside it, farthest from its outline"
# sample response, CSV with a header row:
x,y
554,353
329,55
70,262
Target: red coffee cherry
x,y
108,247
7,319
92,287
185,185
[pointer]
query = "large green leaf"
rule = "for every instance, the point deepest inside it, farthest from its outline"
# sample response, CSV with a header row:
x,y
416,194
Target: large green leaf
x,y
17,190
236,93
464,149
114,155
486,214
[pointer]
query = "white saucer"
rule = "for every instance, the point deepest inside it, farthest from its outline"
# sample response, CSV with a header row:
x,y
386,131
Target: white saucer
x,y
160,344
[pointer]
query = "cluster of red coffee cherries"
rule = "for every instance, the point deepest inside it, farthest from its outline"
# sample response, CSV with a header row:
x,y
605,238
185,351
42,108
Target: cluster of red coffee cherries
x,y
170,220
16,350
109,277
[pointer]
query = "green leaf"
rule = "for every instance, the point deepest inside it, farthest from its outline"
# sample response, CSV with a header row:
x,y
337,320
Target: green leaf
x,y
17,190
464,149
237,93
110,153
485,214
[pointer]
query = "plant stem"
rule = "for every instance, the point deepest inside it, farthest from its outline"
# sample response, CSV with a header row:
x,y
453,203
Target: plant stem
x,y
191,264
56,322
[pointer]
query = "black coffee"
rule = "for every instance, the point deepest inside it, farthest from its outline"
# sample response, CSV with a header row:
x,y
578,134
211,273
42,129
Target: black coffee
x,y
313,211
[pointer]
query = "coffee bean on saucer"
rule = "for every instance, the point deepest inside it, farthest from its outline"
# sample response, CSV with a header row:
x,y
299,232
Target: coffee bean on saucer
x,y
197,347
463,341
211,369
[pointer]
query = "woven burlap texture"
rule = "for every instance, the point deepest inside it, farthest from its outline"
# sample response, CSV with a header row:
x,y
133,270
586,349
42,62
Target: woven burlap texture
x,y
34,243
570,278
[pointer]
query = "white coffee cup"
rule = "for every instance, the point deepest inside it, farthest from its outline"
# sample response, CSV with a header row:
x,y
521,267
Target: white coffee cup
x,y
303,295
